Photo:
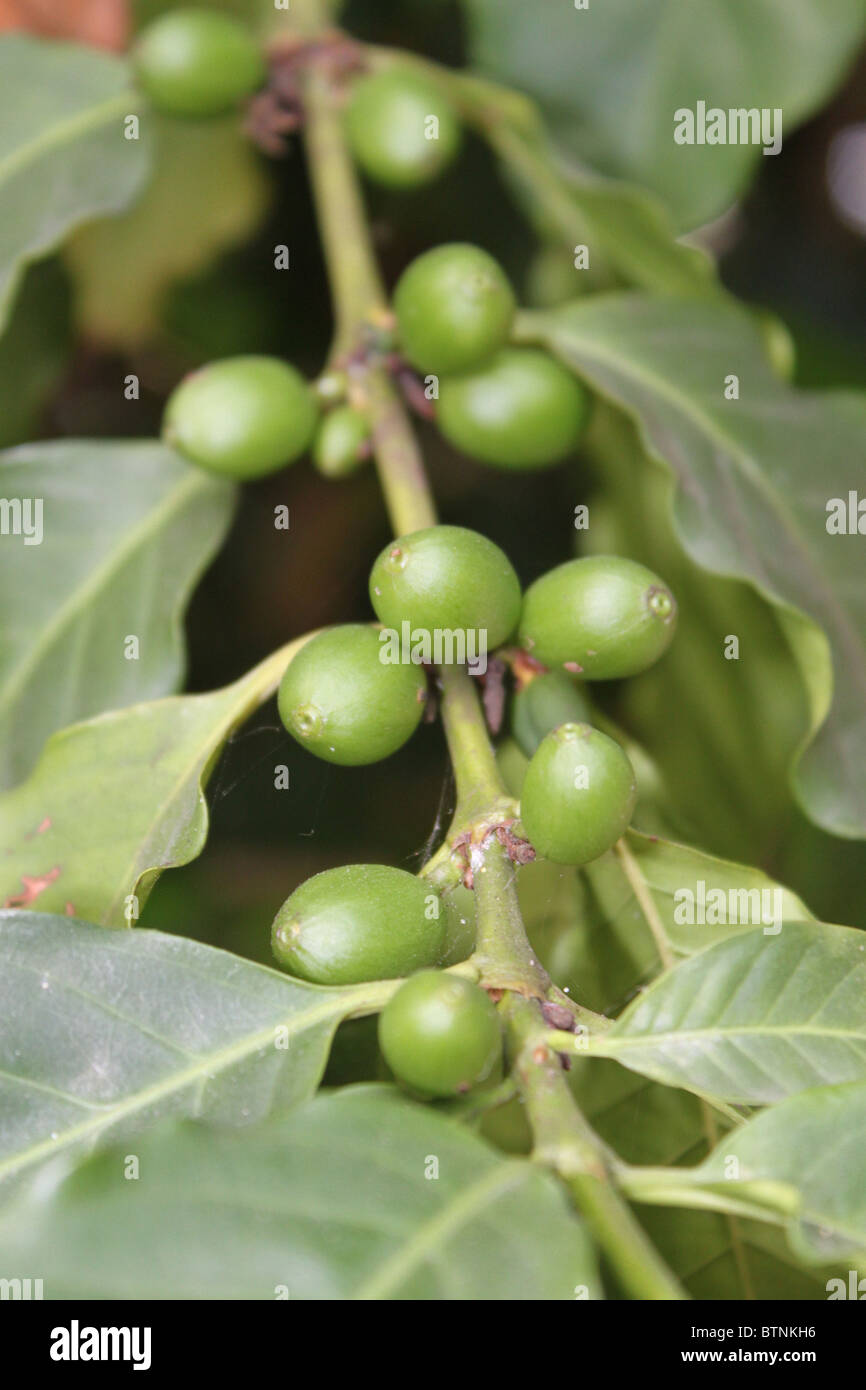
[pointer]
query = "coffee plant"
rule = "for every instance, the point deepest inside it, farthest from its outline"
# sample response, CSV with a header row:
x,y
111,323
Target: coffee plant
x,y
589,1043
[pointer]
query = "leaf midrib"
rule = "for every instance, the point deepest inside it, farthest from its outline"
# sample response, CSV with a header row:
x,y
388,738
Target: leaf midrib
x,y
464,1208
257,682
651,1039
347,1002
65,132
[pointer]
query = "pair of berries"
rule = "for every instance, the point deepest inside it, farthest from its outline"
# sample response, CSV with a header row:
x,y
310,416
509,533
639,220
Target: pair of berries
x,y
439,1033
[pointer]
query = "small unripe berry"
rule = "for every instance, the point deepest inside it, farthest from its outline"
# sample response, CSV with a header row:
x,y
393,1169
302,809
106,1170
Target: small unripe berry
x,y
341,445
520,410
578,795
196,63
241,417
360,922
402,130
454,308
344,702
440,1034
601,617
446,579
545,702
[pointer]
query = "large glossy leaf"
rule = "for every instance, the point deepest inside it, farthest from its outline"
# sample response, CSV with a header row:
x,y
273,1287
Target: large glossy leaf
x,y
755,476
602,931
803,1161
738,723
714,1254
114,801
103,1033
127,527
358,1195
63,155
816,1144
752,1019
208,193
627,229
612,75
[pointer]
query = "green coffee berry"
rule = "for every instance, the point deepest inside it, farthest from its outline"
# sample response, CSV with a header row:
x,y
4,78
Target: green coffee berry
x,y
601,617
402,130
341,699
545,702
520,410
241,417
578,795
342,440
193,62
440,1034
360,922
454,308
446,579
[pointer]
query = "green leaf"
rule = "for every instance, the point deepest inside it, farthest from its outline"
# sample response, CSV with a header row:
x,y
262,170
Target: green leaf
x,y
208,193
592,931
106,1032
63,155
114,801
719,1257
626,228
739,723
802,1163
127,529
754,1018
610,78
338,1201
751,502
713,1254
815,1143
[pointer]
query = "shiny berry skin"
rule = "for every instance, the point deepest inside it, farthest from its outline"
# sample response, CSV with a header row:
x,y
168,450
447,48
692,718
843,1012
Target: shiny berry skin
x,y
545,702
341,701
440,1034
341,445
521,410
388,122
197,63
359,922
601,617
454,308
578,795
447,579
241,417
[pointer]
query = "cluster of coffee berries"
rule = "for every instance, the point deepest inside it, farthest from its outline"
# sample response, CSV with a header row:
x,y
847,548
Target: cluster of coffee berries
x,y
508,406
354,694
439,1033
600,617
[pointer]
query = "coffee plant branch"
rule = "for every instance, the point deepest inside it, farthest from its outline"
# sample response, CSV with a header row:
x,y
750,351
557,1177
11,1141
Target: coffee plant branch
x,y
563,1139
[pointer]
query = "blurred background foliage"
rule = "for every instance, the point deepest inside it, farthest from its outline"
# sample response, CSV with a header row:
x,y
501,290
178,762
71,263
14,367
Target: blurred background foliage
x,y
187,275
